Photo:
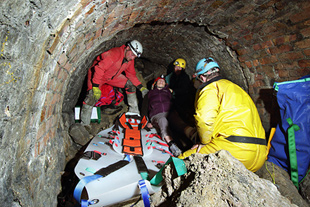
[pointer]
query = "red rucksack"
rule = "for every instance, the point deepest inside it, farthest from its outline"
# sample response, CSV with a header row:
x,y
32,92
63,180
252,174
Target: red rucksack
x,y
109,96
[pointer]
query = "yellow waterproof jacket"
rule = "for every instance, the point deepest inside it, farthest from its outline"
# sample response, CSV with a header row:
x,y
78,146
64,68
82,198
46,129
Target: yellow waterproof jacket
x,y
226,118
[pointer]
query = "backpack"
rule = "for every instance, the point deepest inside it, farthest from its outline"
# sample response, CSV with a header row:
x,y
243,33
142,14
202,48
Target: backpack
x,y
290,145
109,96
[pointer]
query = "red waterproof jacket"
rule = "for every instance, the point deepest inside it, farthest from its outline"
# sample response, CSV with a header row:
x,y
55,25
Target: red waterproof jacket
x,y
109,65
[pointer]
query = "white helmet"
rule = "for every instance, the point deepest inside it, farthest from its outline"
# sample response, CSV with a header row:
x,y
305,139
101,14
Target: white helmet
x,y
135,47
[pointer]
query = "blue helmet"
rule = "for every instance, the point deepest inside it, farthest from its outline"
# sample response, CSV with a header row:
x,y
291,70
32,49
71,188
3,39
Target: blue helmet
x,y
204,65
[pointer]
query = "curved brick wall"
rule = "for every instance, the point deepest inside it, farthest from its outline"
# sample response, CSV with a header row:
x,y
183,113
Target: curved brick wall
x,y
47,47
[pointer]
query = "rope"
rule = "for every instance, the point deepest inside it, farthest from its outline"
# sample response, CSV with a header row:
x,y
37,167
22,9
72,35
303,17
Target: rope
x,y
271,175
305,176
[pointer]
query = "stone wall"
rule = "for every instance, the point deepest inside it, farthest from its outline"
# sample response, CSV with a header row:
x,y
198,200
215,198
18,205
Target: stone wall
x,y
47,47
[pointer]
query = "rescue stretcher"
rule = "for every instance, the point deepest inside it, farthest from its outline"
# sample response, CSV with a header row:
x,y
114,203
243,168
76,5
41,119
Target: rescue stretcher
x,y
123,162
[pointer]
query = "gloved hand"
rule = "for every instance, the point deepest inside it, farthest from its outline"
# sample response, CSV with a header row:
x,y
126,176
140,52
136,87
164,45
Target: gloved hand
x,y
144,91
97,93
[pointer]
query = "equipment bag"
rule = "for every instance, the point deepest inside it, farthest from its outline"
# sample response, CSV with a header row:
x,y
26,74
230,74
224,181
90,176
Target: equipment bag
x,y
109,96
290,145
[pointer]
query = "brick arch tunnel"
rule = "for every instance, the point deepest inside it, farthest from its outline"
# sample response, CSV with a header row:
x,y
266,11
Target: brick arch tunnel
x,y
163,43
47,48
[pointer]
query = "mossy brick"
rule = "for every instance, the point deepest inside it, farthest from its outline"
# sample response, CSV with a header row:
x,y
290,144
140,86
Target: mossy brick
x,y
291,56
89,44
55,41
68,66
266,44
301,15
255,63
257,47
60,86
242,51
62,59
296,73
90,11
101,18
37,149
140,16
285,65
268,60
50,83
305,32
248,64
64,28
269,28
268,70
271,35
307,52
259,54
109,22
304,63
62,75
282,73
280,49
134,14
79,24
41,130
258,83
242,58
284,39
85,2
98,34
46,139
42,116
248,37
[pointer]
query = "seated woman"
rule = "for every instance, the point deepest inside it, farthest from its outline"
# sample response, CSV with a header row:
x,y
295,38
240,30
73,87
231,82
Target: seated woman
x,y
159,103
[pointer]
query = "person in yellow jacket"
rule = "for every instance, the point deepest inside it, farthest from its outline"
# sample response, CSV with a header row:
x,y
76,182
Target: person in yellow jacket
x,y
226,118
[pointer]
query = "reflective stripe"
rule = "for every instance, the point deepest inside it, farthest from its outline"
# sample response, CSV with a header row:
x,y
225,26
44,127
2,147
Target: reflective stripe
x,y
249,140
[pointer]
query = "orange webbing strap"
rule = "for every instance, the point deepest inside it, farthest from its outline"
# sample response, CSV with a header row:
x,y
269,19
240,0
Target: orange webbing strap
x,y
132,144
132,150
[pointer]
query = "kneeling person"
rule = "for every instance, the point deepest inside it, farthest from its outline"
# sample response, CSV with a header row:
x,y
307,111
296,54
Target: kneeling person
x,y
226,118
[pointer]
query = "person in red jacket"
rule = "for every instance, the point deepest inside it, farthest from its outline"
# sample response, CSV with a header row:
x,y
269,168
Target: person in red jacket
x,y
108,69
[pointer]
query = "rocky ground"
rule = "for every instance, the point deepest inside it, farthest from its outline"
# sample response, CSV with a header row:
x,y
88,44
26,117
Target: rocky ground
x,y
221,180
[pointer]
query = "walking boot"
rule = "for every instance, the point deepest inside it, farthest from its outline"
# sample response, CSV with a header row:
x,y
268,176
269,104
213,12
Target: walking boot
x,y
86,114
133,103
174,149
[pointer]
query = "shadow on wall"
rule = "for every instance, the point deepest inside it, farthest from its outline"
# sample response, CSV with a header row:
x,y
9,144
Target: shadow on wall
x,y
269,99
